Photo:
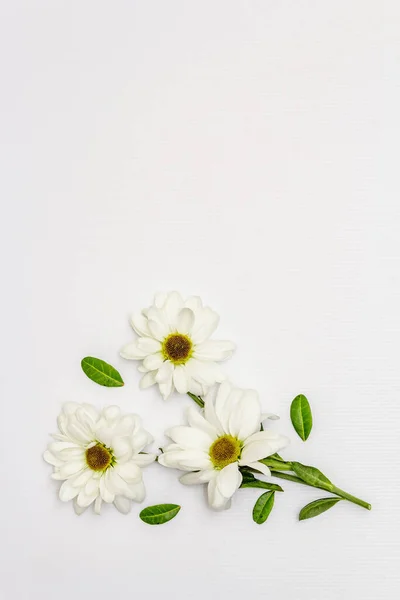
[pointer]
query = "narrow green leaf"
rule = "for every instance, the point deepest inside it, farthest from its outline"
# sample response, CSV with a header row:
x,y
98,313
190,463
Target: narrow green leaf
x,y
301,416
312,476
263,507
317,508
249,481
159,514
101,372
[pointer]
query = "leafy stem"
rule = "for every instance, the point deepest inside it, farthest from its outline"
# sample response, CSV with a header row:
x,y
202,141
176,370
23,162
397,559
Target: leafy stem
x,y
278,464
311,477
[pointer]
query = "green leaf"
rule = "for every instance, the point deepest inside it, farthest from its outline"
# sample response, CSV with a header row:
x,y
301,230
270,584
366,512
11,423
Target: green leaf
x,y
249,481
263,507
159,514
101,372
312,476
317,508
301,417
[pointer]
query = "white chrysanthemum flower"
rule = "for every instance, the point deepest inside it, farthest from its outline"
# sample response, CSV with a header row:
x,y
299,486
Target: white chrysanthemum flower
x,y
219,441
174,345
99,456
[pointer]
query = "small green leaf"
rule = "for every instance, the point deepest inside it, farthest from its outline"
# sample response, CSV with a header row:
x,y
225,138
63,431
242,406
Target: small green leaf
x,y
317,508
159,514
312,476
301,417
249,481
101,372
263,507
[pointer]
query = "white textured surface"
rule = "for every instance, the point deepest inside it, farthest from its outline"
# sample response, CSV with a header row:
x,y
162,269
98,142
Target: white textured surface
x,y
231,149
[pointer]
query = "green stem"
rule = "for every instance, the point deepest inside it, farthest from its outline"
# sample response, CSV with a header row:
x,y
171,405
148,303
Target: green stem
x,y
334,490
196,399
351,498
279,465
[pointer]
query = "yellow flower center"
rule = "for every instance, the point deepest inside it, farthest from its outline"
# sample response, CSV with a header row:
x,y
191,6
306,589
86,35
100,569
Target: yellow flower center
x,y
224,451
177,348
98,457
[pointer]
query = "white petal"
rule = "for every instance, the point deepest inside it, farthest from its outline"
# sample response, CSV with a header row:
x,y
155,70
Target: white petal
x,y
180,379
215,499
115,483
223,397
70,454
165,372
126,425
149,345
206,323
258,466
57,447
112,413
196,388
71,468
166,389
85,418
82,479
136,492
105,434
214,350
78,509
205,372
159,299
121,447
129,471
92,486
51,459
79,433
139,324
262,436
189,437
158,324
185,320
232,412
197,477
147,380
106,494
165,460
257,450
209,410
196,419
123,504
83,500
144,459
153,361
186,460
97,505
194,303
133,352
70,408
172,306
251,414
229,479
67,491
140,439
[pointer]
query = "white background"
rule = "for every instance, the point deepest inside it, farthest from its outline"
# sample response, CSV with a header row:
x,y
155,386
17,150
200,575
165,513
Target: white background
x,y
244,151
